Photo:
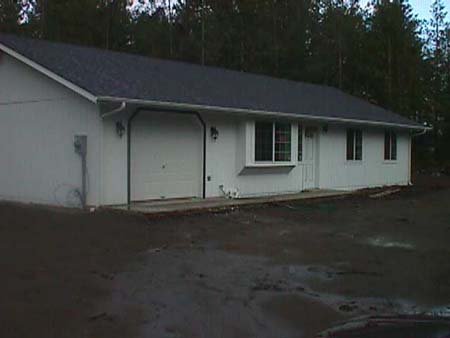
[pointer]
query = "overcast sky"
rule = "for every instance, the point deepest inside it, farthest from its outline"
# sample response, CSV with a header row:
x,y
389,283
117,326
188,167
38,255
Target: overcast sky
x,y
422,7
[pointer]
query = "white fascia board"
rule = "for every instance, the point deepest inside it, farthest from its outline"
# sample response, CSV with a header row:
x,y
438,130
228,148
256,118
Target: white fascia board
x,y
186,106
49,73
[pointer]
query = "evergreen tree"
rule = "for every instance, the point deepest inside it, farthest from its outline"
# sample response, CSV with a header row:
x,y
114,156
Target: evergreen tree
x,y
396,58
338,47
438,78
9,16
151,33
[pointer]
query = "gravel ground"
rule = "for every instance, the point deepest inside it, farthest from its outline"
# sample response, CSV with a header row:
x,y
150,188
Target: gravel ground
x,y
282,270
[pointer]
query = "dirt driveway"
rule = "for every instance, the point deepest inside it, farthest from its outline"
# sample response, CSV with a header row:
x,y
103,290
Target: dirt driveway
x,y
285,270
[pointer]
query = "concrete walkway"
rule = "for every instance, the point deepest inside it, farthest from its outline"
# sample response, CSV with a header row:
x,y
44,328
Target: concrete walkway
x,y
196,204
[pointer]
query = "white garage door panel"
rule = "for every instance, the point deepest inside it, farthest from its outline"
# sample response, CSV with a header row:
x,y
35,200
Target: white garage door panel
x,y
166,156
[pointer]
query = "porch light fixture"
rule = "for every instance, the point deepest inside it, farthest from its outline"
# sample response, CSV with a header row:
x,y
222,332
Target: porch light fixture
x,y
214,133
120,128
325,128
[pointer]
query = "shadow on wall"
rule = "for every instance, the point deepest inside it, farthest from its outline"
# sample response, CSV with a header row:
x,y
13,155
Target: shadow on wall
x,y
266,171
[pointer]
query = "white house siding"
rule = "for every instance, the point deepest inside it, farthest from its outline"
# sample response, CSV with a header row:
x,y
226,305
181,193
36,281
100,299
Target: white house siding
x,y
335,172
224,166
226,163
332,170
227,159
39,119
114,158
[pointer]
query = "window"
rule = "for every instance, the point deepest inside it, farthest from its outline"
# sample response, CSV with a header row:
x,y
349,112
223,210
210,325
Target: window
x,y
263,141
272,142
282,142
390,146
300,143
354,145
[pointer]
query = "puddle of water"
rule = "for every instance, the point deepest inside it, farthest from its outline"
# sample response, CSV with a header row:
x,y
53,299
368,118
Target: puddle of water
x,y
227,292
304,314
387,243
393,327
303,275
304,272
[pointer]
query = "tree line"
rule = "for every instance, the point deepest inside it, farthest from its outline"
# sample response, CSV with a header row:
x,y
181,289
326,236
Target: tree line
x,y
381,52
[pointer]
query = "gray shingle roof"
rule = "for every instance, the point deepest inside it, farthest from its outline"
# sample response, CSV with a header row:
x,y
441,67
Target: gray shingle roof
x,y
113,74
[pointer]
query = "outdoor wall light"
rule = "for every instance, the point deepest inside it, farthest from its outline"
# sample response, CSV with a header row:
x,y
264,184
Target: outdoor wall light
x,y
120,128
325,128
214,133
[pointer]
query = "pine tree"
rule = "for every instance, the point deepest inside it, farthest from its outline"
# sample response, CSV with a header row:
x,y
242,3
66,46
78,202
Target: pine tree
x,y
396,58
9,16
438,97
338,45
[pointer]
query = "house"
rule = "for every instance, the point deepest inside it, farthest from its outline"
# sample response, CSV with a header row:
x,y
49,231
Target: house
x,y
104,128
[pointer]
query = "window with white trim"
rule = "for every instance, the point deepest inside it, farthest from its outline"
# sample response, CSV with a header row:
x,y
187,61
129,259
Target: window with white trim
x,y
390,146
354,145
273,142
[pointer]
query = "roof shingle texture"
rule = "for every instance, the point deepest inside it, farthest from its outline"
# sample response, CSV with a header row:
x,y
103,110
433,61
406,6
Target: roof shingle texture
x,y
107,73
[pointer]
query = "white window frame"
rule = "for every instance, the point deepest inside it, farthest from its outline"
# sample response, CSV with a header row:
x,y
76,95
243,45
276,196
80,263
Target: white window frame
x,y
251,146
354,160
390,160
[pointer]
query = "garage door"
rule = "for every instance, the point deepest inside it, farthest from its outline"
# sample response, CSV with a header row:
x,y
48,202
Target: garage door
x,y
166,156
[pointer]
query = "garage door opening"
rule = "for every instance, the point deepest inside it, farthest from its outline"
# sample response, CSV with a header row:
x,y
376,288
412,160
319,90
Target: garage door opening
x,y
166,156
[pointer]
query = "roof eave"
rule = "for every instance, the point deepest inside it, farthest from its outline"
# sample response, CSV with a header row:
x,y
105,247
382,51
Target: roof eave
x,y
68,84
195,107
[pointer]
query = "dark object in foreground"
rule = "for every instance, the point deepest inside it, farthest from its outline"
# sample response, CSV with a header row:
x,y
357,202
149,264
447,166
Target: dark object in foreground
x,y
391,327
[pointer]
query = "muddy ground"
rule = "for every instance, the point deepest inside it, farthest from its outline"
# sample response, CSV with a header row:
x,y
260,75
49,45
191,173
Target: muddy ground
x,y
285,270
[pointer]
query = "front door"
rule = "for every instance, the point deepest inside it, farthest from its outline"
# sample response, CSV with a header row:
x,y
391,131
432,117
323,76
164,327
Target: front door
x,y
309,158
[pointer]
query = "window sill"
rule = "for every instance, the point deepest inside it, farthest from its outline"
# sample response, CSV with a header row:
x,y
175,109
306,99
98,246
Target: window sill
x,y
390,162
270,165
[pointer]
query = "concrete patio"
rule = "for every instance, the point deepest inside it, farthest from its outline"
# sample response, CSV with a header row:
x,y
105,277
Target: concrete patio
x,y
197,204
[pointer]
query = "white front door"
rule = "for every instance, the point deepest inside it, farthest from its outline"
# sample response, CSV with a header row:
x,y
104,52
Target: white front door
x,y
309,158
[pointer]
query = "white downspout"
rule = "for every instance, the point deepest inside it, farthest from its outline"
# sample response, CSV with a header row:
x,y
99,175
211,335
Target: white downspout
x,y
122,107
423,132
